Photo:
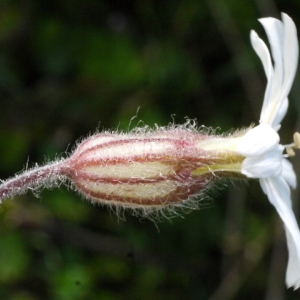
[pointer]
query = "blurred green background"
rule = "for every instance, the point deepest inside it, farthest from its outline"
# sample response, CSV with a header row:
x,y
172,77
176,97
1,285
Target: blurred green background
x,y
69,67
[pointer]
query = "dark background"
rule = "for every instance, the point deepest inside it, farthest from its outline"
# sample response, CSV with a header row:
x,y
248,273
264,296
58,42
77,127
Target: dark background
x,y
68,67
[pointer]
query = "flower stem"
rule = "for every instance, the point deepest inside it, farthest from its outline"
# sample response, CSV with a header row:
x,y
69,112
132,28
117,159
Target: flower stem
x,y
49,176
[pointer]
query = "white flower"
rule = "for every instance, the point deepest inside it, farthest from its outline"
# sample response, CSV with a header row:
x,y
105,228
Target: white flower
x,y
264,155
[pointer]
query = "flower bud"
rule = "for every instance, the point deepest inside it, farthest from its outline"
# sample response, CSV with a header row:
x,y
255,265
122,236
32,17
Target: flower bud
x,y
147,169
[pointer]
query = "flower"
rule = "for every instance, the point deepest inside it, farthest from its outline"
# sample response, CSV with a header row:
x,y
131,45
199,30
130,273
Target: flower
x,y
150,170
260,145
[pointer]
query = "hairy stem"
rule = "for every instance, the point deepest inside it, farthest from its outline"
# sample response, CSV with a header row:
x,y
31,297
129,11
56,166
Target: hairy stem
x,y
49,176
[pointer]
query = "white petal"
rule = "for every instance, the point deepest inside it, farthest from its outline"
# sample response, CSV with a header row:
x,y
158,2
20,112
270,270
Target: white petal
x,y
278,193
288,173
263,53
263,166
258,140
290,57
274,31
284,46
